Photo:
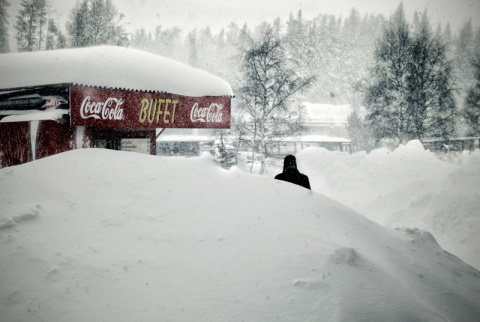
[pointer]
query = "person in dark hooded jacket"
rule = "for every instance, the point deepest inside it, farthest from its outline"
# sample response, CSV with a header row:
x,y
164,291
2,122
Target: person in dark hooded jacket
x,y
291,174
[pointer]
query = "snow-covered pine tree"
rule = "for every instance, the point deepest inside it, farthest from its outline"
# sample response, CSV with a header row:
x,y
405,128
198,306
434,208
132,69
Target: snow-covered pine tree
x,y
141,39
430,88
463,55
55,37
359,134
4,41
30,24
477,43
192,48
386,93
166,42
471,112
410,94
96,22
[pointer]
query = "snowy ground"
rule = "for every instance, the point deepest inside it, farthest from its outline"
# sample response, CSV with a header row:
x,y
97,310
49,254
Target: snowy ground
x,y
98,235
409,187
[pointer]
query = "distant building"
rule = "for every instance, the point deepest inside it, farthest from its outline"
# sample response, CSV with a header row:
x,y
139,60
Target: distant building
x,y
325,127
292,145
327,120
186,145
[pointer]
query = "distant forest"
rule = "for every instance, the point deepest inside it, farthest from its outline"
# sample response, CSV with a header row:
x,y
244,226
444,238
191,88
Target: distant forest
x,y
339,52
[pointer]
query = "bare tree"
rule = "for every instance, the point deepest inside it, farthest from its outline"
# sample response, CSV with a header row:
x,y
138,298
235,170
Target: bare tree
x,y
265,112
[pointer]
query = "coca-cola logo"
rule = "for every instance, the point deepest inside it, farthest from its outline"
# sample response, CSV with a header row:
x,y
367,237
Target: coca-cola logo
x,y
210,114
110,109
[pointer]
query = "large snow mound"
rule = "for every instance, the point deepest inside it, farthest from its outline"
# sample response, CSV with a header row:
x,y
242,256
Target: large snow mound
x,y
407,187
98,235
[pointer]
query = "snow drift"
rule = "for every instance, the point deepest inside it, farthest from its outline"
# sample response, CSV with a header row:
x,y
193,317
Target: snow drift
x,y
97,235
409,187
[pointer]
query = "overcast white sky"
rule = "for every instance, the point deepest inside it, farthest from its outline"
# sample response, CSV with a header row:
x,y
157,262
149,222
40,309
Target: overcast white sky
x,y
189,14
219,13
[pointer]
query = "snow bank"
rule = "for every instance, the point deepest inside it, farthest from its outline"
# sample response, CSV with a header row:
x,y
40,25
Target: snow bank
x,y
120,236
408,187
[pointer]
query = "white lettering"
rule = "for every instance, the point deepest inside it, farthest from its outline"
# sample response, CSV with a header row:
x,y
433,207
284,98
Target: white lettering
x,y
111,109
211,114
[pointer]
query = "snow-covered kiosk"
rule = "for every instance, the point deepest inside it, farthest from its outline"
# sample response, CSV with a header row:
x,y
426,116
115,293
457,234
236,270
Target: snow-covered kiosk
x,y
113,97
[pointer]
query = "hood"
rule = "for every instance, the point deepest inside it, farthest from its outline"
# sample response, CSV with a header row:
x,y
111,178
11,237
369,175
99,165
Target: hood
x,y
290,162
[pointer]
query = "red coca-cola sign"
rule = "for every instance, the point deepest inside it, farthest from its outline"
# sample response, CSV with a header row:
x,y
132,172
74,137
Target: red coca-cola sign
x,y
127,109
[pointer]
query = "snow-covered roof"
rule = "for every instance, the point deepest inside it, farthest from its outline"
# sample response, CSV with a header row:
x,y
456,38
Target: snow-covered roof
x,y
109,67
316,138
308,138
185,138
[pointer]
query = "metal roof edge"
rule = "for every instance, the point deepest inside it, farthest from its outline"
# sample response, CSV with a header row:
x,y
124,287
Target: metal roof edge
x,y
141,90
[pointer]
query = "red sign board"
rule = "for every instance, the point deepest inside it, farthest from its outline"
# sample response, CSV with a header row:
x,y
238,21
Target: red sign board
x,y
126,109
